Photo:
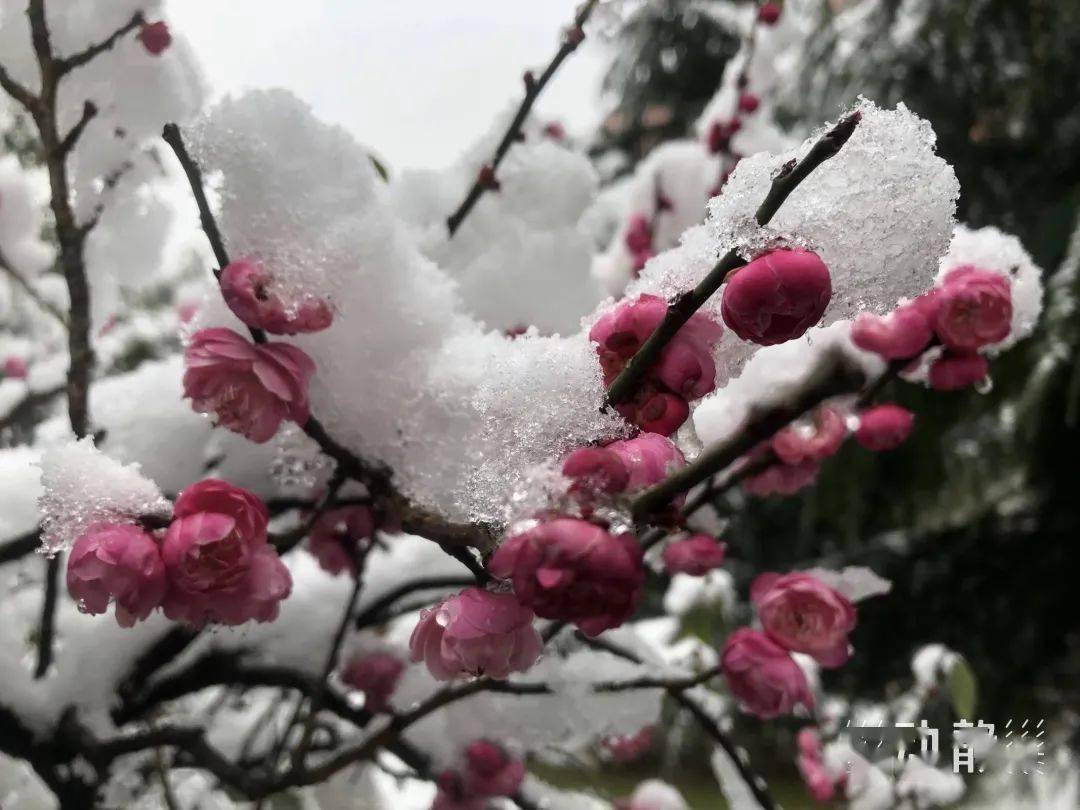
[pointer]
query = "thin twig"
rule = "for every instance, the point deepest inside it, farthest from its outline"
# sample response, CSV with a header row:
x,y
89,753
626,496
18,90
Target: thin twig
x,y
31,291
374,613
67,64
89,113
486,179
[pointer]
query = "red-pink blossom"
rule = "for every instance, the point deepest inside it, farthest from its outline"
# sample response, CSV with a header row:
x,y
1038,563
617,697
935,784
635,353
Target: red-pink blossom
x,y
451,794
628,747
155,37
900,335
809,742
803,614
655,410
814,442
718,138
555,131
762,675
251,292
769,13
638,236
491,771
596,469
376,675
777,296
782,479
954,371
696,555
116,561
884,427
336,536
15,368
649,458
250,387
748,103
220,565
973,309
575,571
477,633
817,778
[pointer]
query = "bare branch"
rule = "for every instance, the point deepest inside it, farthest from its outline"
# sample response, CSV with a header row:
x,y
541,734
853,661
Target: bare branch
x,y
69,63
373,613
17,91
89,112
31,291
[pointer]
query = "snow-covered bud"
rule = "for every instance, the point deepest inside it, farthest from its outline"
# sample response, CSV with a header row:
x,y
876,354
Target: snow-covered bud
x,y
898,336
491,771
696,555
769,13
655,410
762,676
628,747
555,131
337,534
596,469
119,562
220,565
782,479
451,794
811,441
155,37
476,633
375,675
885,427
748,103
572,570
718,138
777,297
252,294
638,236
649,458
251,388
14,368
954,371
803,614
973,309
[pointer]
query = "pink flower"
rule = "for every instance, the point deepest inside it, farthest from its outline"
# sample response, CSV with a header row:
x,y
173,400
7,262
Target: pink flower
x,y
555,131
573,570
628,747
649,458
718,138
375,675
817,778
952,372
748,103
900,335
490,771
884,427
769,13
622,331
782,479
451,794
336,536
654,410
155,37
697,555
249,290
974,309
803,614
250,387
120,562
804,442
809,742
777,296
638,236
221,567
762,676
595,470
15,368
476,633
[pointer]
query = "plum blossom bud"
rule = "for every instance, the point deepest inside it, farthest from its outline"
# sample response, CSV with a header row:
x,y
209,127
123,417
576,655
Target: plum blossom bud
x,y
638,237
336,536
622,331
375,675
885,427
655,411
155,37
491,771
250,290
119,562
575,571
809,742
555,131
595,470
476,633
973,309
251,388
748,103
954,371
898,336
769,13
777,297
782,479
718,138
814,442
803,614
649,458
220,565
15,368
762,676
817,778
628,747
451,794
697,555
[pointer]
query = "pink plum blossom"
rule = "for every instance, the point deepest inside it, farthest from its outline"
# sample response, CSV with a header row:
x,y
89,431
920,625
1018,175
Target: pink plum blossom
x,y
451,794
696,555
814,442
476,633
251,387
649,458
596,469
769,13
220,565
15,368
654,410
629,747
748,103
955,371
638,237
817,778
250,290
885,427
116,561
782,479
491,771
336,536
803,614
777,296
155,37
898,336
376,675
762,676
573,570
973,309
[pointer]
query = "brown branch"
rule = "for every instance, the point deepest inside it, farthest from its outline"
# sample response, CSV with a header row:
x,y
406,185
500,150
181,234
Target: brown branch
x,y
17,91
89,112
680,311
485,179
67,64
374,613
31,291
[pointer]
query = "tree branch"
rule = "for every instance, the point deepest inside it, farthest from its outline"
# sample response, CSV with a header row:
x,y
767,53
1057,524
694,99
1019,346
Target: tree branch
x,y
485,179
31,291
680,311
17,91
67,64
373,613
89,112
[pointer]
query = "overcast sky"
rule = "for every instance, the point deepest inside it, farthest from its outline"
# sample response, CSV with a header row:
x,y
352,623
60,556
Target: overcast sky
x,y
415,79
